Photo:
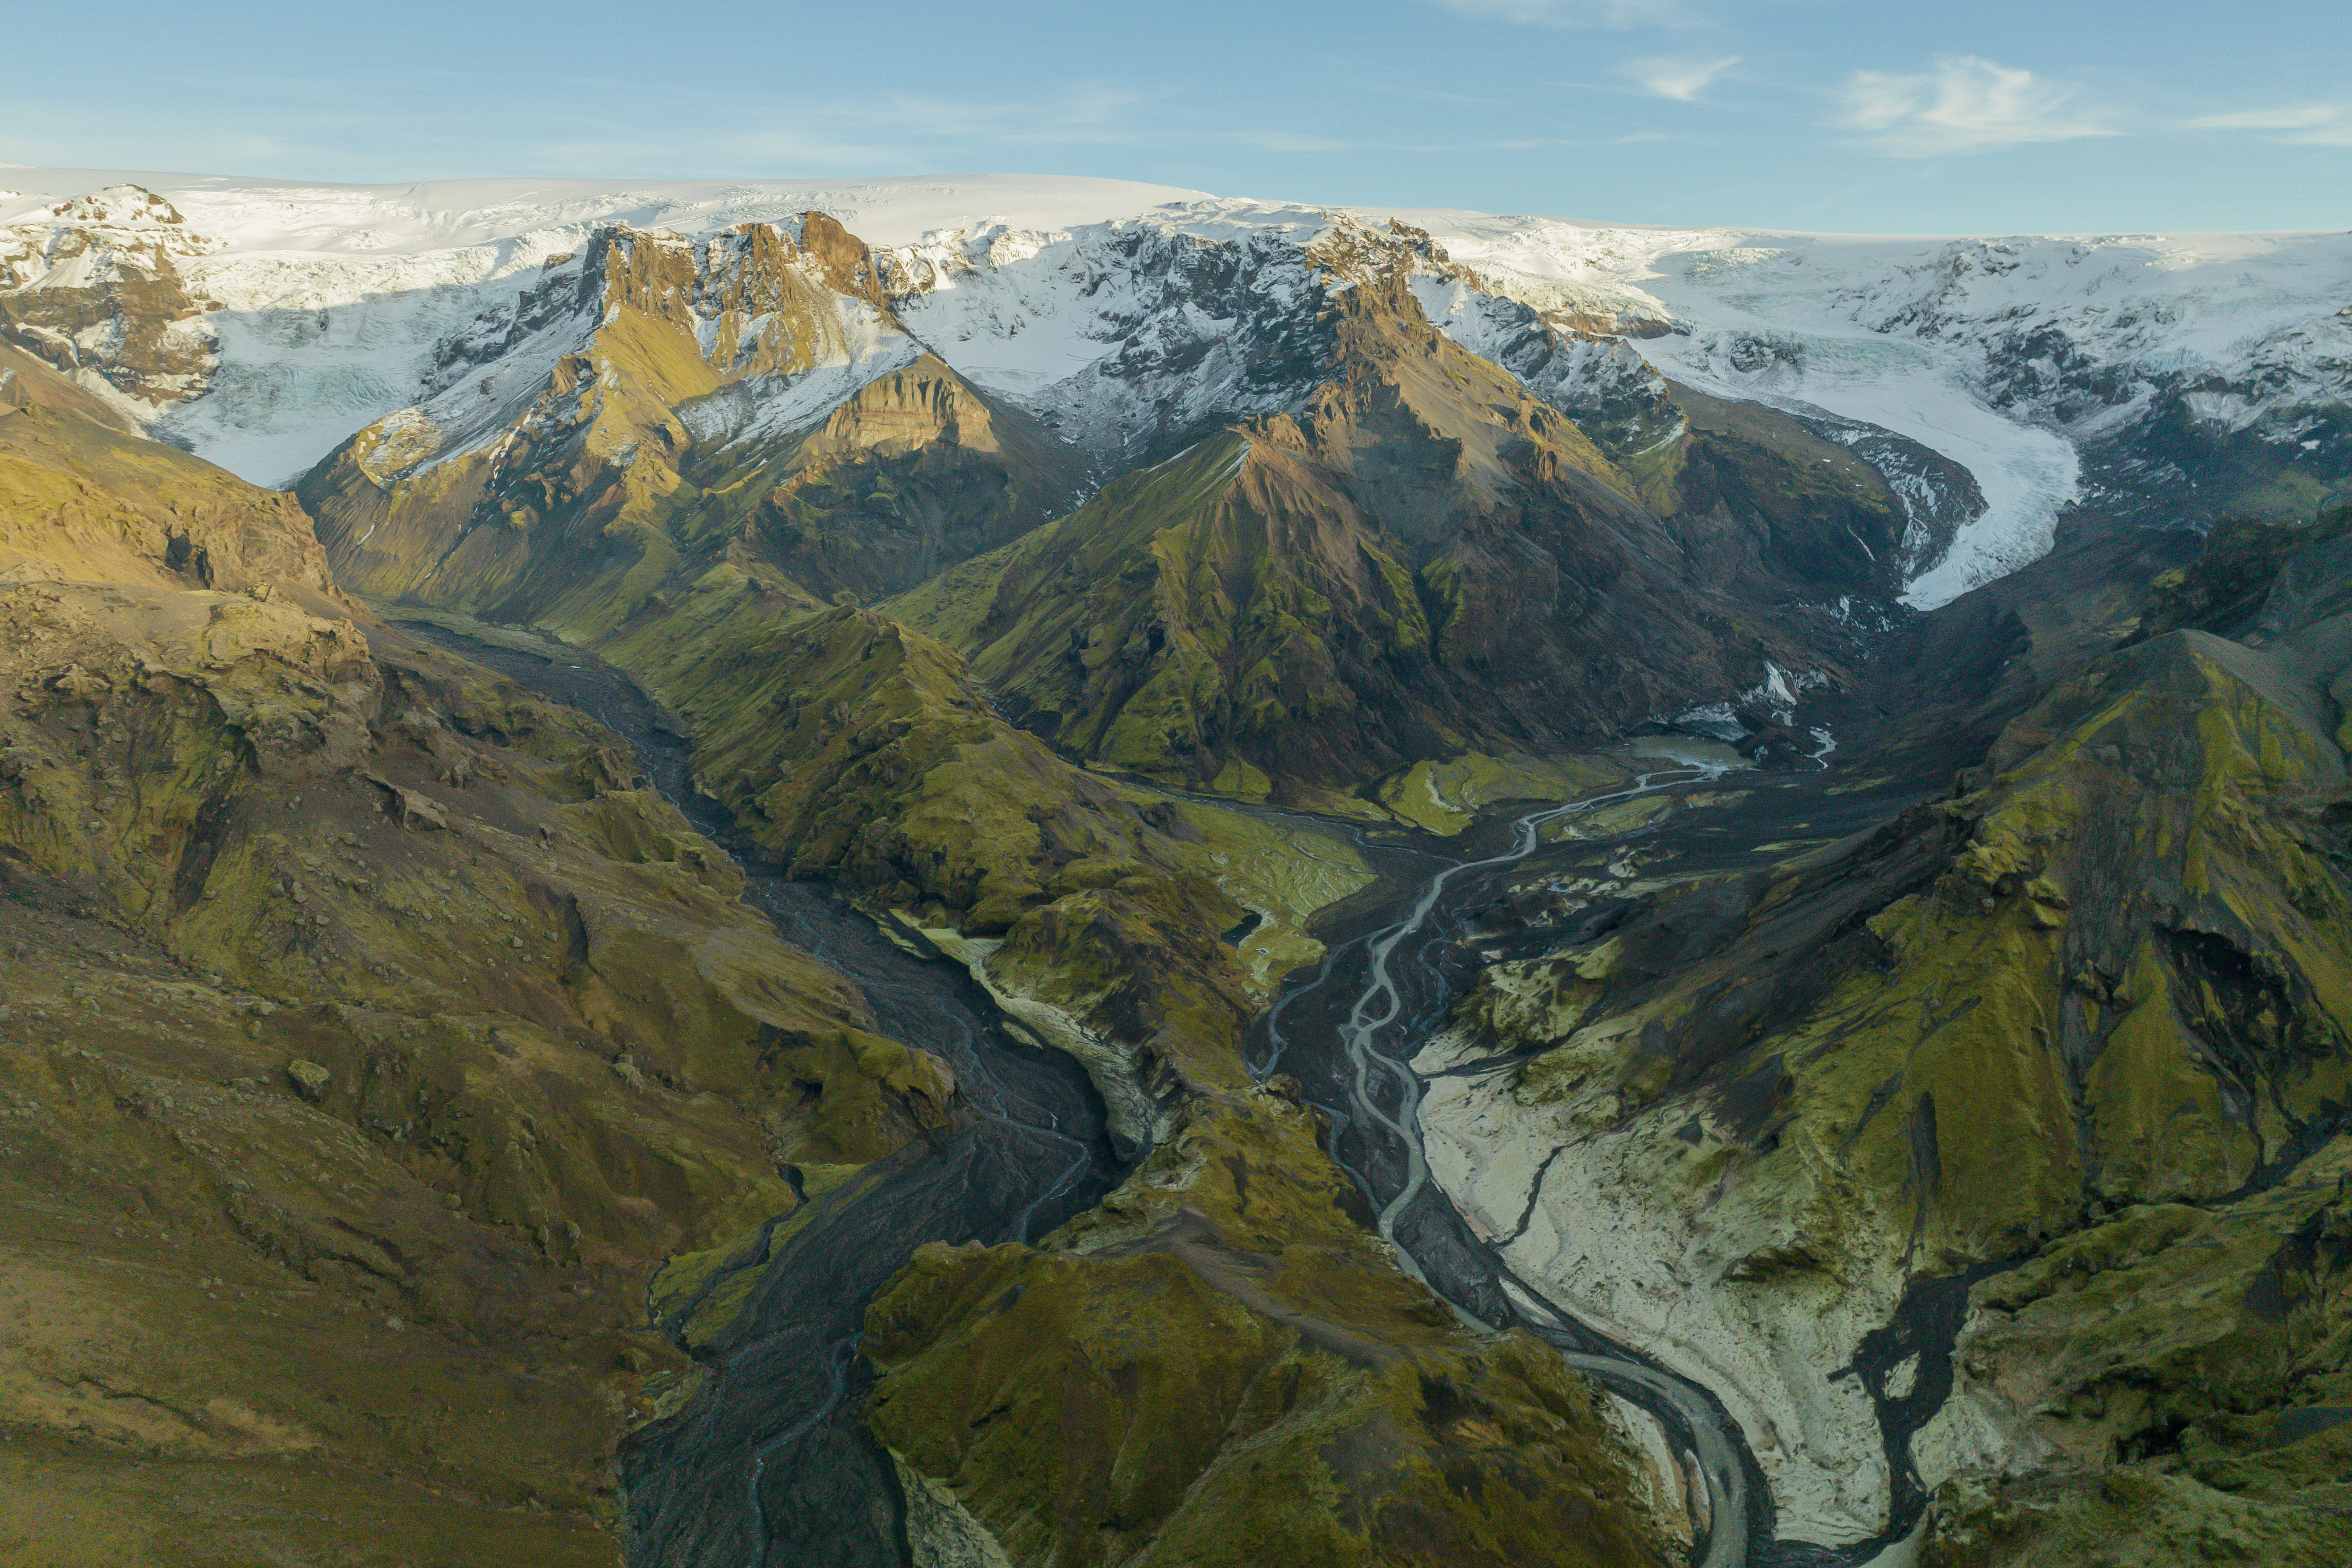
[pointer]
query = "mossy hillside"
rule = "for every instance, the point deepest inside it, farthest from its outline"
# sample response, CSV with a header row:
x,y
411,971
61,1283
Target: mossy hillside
x,y
1065,977
1060,885
2137,1517
1535,542
851,746
2167,1315
1200,615
1445,797
29,382
914,472
1424,562
2116,973
1230,1363
217,1285
291,845
2191,1360
255,1318
541,1044
385,534
1282,870
82,499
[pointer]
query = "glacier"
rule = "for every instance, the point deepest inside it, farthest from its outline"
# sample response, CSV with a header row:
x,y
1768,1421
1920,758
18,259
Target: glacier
x,y
1103,304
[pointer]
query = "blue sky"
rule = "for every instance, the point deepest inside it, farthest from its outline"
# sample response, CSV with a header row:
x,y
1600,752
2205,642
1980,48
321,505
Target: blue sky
x,y
1999,116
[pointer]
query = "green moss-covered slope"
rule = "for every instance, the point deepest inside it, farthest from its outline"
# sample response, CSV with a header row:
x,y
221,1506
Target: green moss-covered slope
x,y
1219,1364
1424,562
369,1036
83,499
2089,1016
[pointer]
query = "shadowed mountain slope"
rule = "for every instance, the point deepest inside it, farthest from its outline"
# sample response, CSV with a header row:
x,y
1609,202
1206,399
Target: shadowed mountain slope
x,y
1424,560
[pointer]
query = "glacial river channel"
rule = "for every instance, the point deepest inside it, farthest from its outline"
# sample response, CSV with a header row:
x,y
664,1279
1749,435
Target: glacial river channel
x,y
770,1464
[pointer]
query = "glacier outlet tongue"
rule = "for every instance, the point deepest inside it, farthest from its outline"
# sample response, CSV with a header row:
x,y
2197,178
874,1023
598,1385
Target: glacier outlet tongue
x,y
1102,301
2026,473
2006,355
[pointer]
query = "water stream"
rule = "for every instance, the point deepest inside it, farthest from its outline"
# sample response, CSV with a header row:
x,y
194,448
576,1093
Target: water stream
x,y
771,1465
1350,1032
1387,1012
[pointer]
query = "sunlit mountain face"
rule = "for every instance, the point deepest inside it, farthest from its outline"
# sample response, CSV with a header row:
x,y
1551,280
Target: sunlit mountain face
x,y
1046,872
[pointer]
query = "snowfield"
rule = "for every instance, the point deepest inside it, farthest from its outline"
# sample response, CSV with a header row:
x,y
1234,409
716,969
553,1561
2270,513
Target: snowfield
x,y
2002,354
1104,304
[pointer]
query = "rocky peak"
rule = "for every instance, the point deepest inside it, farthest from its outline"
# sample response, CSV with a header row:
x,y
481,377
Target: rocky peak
x,y
625,335
121,208
847,263
1134,338
93,285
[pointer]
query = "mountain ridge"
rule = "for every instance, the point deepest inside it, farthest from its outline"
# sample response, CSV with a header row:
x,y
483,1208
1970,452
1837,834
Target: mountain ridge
x,y
1912,335
1249,879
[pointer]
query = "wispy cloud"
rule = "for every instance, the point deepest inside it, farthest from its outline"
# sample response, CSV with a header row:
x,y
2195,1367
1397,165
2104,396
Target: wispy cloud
x,y
600,128
1673,76
1965,104
2316,125
1574,13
